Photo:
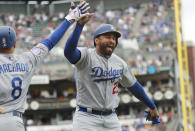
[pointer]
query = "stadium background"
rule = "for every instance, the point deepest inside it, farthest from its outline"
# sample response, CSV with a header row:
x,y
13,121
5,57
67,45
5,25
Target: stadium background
x,y
148,45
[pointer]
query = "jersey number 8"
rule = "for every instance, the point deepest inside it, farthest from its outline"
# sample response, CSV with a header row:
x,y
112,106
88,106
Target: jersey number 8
x,y
16,85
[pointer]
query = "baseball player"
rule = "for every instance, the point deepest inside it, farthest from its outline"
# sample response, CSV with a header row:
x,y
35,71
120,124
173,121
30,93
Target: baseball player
x,y
16,71
98,74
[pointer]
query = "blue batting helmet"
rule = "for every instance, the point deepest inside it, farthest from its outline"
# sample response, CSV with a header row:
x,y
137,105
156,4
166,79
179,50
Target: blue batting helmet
x,y
106,28
7,37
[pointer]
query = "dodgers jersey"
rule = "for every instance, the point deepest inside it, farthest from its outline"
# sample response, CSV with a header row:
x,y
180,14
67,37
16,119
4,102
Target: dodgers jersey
x,y
16,72
98,78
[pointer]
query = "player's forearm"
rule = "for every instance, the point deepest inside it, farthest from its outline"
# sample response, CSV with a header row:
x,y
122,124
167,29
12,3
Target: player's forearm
x,y
138,91
57,35
70,51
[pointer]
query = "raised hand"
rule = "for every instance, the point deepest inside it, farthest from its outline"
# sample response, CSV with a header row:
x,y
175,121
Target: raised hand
x,y
86,18
79,11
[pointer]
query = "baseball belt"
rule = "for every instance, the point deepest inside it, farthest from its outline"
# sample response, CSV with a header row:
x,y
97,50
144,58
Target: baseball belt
x,y
14,113
97,112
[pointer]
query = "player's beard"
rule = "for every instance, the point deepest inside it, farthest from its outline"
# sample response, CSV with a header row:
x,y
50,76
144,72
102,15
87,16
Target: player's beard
x,y
104,49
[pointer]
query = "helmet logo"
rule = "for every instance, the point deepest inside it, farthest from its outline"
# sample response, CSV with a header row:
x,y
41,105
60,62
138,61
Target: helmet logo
x,y
4,42
112,28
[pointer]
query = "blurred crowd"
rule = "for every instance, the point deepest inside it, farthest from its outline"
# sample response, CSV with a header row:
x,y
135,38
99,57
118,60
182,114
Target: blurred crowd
x,y
150,23
150,63
167,116
52,93
131,122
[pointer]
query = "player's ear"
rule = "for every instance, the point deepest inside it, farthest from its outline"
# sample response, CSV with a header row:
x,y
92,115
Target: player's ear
x,y
96,40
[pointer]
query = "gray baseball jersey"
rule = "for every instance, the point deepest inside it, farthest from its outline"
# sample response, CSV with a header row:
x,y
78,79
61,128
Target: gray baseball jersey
x,y
98,78
16,72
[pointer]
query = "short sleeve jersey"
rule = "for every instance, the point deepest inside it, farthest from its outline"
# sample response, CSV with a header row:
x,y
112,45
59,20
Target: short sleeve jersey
x,y
16,72
97,79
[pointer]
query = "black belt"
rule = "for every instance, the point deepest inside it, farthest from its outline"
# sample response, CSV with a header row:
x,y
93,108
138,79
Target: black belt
x,y
96,112
16,113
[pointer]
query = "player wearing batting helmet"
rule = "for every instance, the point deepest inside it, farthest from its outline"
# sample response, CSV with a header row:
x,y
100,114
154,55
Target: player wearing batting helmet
x,y
106,28
99,72
7,37
16,71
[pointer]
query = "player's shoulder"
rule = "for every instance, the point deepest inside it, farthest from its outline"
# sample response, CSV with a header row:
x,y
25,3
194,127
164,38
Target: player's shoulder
x,y
16,58
86,49
119,61
22,57
9,57
117,58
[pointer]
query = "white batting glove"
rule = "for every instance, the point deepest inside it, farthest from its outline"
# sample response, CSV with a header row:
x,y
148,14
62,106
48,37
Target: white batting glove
x,y
76,13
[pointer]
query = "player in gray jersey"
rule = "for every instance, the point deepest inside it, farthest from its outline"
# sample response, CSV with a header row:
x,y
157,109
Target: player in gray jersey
x,y
98,74
16,71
